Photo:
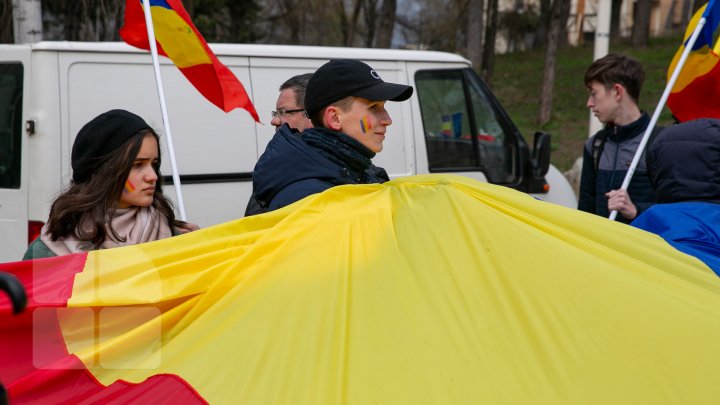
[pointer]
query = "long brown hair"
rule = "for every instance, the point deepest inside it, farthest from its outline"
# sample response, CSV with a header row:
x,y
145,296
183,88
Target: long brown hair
x,y
94,200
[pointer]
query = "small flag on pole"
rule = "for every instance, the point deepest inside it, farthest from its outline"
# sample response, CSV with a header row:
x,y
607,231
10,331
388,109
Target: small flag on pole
x,y
178,39
695,93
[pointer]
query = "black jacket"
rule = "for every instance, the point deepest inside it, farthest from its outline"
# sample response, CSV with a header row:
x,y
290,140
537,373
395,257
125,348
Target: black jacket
x,y
291,169
684,162
612,165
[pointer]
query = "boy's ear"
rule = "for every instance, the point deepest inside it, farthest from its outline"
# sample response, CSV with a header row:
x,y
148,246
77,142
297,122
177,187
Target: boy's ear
x,y
619,90
332,118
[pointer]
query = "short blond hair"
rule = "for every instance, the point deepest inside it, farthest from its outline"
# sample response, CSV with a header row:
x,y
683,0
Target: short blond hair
x,y
345,104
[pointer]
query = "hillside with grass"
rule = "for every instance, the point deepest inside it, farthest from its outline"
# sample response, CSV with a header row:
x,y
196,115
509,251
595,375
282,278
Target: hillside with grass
x,y
517,83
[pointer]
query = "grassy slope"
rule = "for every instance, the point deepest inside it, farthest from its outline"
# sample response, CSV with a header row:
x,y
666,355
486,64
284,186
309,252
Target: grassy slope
x,y
517,82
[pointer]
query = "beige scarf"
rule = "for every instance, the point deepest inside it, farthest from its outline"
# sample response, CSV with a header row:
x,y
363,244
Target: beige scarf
x,y
136,224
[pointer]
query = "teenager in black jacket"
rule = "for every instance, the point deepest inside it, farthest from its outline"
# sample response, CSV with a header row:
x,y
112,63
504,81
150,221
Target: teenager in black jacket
x,y
614,84
345,100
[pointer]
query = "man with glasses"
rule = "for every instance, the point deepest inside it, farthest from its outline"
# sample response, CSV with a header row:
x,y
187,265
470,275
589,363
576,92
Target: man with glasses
x,y
290,110
345,100
290,106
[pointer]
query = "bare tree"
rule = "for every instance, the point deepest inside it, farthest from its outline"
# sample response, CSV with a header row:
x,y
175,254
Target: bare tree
x,y
475,33
488,58
641,23
564,18
348,21
370,17
690,7
386,24
6,22
615,18
544,23
100,20
27,21
229,21
310,22
292,19
86,20
553,40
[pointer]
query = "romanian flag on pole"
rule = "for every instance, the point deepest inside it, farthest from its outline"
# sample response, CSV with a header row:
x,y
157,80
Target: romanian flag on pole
x,y
423,290
697,89
178,39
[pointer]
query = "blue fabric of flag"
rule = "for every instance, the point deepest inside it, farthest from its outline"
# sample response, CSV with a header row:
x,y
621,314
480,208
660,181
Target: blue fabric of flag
x,y
712,19
691,227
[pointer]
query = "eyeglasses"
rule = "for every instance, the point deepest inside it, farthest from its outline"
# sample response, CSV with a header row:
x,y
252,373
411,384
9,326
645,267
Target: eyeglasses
x,y
281,111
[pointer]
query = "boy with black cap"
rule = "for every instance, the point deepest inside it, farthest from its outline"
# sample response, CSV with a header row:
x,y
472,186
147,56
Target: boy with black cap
x,y
345,100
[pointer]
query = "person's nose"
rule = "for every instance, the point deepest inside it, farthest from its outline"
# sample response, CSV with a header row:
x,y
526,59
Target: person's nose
x,y
384,118
275,121
150,175
589,103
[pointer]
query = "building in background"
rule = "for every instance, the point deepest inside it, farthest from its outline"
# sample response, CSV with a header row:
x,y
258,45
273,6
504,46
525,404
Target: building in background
x,y
666,17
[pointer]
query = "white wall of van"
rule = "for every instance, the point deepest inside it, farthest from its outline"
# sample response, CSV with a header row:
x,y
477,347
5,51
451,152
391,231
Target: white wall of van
x,y
65,84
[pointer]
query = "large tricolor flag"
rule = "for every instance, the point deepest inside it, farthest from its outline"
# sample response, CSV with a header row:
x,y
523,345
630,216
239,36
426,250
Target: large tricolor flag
x,y
424,290
178,39
697,88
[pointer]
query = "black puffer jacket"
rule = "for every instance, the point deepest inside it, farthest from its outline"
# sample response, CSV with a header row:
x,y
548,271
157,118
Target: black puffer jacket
x,y
294,166
695,176
617,154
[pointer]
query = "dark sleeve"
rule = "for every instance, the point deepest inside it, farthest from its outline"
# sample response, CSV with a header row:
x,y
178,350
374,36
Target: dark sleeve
x,y
378,174
642,207
650,159
297,191
588,183
253,207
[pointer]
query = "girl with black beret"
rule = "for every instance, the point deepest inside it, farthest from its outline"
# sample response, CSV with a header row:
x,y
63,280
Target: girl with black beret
x,y
114,198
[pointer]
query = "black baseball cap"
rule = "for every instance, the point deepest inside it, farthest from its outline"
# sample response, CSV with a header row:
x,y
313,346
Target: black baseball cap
x,y
342,78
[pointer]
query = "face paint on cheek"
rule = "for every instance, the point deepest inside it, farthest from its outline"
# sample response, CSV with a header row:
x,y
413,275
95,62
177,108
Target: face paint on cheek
x,y
129,187
364,125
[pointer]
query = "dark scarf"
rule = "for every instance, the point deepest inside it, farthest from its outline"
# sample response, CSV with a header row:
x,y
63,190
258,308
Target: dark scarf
x,y
339,148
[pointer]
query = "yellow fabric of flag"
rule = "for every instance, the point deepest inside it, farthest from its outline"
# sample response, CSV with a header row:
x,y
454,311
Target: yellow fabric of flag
x,y
423,290
178,39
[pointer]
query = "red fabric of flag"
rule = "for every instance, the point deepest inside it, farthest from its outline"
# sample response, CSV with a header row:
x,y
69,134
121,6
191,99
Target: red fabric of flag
x,y
35,366
694,94
178,39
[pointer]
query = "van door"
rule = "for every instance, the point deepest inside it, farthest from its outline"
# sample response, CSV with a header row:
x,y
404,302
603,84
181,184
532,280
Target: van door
x,y
466,131
14,69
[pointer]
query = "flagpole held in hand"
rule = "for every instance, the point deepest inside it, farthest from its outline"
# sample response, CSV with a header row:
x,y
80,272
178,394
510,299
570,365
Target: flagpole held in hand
x,y
163,109
658,109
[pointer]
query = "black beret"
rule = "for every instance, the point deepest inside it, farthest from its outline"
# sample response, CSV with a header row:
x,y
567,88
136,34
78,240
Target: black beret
x,y
101,136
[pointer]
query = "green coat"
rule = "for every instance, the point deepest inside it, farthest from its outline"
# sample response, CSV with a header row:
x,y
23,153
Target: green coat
x,y
39,250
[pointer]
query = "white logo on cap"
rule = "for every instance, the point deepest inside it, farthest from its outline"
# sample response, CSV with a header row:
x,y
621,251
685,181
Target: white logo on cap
x,y
374,74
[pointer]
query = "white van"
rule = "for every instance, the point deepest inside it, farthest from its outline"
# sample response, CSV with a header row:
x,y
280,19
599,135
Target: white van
x,y
48,90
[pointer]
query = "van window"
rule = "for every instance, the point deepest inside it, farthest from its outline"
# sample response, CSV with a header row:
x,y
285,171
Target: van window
x,y
465,129
11,79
